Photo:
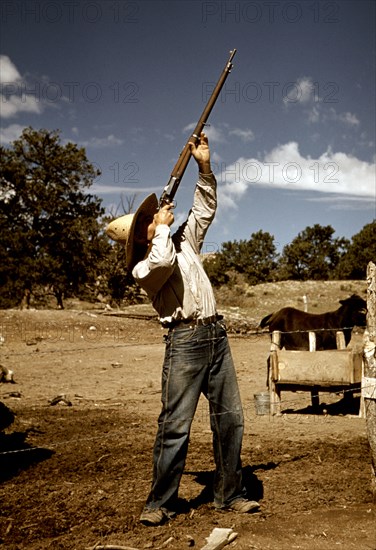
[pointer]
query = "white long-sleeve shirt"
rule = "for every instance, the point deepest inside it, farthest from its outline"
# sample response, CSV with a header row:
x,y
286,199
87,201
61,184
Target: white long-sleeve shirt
x,y
172,274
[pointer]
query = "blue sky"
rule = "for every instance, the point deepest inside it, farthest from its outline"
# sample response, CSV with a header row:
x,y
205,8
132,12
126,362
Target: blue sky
x,y
292,134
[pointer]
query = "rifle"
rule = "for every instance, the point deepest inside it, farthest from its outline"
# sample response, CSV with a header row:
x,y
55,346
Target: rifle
x,y
184,157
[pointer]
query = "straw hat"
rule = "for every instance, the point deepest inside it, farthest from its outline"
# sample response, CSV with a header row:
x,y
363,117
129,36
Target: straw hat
x,y
122,229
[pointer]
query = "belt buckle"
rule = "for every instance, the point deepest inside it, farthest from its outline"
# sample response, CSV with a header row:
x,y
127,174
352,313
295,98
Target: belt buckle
x,y
207,320
194,322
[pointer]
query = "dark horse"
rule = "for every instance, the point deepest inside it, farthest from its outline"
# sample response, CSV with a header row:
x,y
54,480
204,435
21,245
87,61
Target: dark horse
x,y
295,324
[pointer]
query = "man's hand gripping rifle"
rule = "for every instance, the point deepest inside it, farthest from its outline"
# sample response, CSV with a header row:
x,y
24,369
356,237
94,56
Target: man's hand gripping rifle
x,y
178,171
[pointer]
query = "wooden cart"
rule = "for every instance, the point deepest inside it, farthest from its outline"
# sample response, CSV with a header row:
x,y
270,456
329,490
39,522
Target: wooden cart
x,y
313,371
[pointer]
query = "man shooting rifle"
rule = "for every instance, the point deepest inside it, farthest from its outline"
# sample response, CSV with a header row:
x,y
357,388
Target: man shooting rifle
x,y
197,354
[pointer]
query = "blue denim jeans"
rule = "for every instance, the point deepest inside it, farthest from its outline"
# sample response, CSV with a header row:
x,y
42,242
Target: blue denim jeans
x,y
197,360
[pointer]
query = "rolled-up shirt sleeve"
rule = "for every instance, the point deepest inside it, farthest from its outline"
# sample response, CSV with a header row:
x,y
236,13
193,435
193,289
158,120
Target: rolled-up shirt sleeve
x,y
152,272
202,212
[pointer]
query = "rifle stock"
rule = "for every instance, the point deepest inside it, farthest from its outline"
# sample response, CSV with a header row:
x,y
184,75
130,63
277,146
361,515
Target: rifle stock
x,y
178,171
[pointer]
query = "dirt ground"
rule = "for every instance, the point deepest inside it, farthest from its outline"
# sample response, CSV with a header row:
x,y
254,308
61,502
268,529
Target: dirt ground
x,y
75,470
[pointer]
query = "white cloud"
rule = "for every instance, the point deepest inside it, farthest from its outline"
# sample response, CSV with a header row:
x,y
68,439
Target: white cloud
x,y
244,135
319,114
314,114
15,104
302,91
344,202
285,167
306,88
14,97
305,92
349,118
108,141
9,134
8,71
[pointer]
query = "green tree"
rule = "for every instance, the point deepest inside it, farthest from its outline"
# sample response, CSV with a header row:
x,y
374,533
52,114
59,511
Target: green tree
x,y
263,257
215,267
255,258
313,254
361,251
50,225
119,283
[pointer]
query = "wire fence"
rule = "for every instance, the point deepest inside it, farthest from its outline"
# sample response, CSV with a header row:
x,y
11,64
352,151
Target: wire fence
x,y
115,434
297,400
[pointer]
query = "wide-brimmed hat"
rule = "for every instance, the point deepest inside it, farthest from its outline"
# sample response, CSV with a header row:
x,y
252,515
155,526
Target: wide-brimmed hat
x,y
122,229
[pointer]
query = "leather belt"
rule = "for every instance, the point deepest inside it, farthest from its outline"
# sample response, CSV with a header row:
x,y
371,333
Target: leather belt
x,y
185,323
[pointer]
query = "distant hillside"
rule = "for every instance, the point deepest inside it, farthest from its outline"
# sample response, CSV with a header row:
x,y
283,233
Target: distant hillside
x,y
243,306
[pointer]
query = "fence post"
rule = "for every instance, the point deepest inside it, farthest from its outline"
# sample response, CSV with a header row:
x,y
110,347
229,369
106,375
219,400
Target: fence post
x,y
315,398
275,394
369,375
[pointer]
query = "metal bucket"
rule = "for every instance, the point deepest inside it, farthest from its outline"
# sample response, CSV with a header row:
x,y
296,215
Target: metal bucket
x,y
262,403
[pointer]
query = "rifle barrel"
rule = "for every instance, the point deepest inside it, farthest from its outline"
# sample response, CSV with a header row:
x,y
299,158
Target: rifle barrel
x,y
184,157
